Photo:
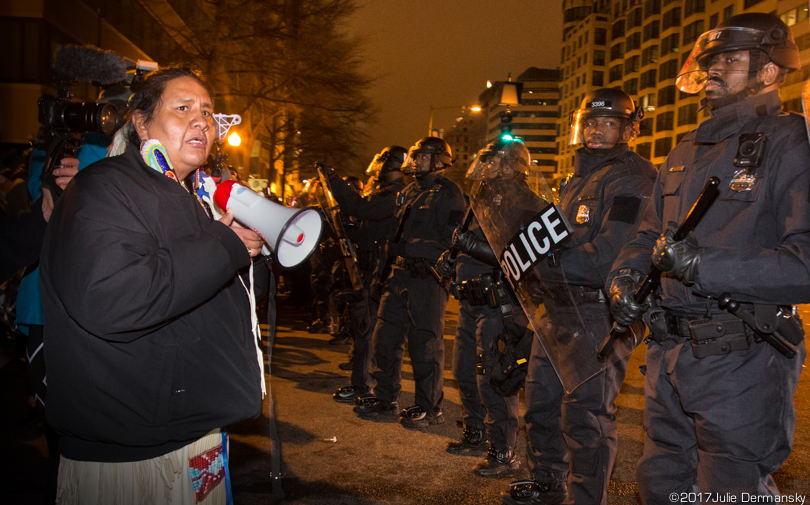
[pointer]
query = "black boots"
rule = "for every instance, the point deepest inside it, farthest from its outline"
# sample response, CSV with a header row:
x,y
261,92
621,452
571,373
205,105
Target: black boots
x,y
372,407
498,464
416,418
472,440
531,492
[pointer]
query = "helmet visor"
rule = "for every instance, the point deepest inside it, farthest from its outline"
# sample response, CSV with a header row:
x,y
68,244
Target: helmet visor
x,y
491,164
694,73
484,166
418,161
376,166
576,126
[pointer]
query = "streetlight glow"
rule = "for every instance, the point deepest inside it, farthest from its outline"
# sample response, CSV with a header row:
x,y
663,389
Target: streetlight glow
x,y
234,139
474,108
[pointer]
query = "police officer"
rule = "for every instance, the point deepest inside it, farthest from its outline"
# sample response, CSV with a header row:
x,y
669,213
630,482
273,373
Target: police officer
x,y
572,437
718,403
487,415
413,304
377,222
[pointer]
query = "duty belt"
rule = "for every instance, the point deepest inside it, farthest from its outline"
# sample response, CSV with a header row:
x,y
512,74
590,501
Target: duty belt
x,y
487,289
713,335
678,325
417,267
566,294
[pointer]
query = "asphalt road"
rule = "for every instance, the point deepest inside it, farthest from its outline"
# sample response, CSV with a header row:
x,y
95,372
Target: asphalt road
x,y
330,456
333,457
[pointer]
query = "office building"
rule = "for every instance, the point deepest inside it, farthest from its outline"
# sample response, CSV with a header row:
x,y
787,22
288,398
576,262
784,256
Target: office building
x,y
640,46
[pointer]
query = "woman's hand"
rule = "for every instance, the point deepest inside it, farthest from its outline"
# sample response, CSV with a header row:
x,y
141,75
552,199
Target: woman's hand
x,y
250,238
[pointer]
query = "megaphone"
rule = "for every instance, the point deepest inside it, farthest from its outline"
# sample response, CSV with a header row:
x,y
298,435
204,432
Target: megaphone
x,y
292,234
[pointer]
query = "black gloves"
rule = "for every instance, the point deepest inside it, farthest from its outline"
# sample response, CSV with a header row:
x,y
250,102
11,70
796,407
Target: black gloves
x,y
469,244
624,308
463,240
446,266
680,259
536,292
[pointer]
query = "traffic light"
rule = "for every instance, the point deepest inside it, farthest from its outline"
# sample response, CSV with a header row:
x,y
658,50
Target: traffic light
x,y
506,118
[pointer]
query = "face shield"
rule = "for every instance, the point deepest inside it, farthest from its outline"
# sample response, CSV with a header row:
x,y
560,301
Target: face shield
x,y
491,164
612,135
377,164
577,118
418,162
694,73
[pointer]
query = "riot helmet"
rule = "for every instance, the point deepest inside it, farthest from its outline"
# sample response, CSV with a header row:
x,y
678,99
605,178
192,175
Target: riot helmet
x,y
419,165
388,160
505,157
605,102
761,34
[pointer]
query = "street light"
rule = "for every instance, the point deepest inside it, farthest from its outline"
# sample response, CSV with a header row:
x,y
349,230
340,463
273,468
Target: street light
x,y
474,108
234,139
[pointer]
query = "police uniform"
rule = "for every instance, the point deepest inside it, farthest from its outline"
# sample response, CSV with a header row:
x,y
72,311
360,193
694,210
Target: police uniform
x,y
413,304
724,422
377,221
479,327
602,202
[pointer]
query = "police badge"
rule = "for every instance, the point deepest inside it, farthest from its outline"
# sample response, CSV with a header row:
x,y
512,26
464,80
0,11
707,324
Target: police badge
x,y
742,180
583,214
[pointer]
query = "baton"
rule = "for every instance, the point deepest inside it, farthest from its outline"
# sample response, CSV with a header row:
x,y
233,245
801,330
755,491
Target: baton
x,y
454,251
653,279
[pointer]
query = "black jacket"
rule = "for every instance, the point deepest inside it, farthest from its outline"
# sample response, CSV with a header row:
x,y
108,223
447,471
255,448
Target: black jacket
x,y
146,324
375,211
758,240
603,200
437,207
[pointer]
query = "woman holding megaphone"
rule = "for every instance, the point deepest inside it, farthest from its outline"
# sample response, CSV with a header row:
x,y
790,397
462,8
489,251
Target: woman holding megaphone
x,y
149,329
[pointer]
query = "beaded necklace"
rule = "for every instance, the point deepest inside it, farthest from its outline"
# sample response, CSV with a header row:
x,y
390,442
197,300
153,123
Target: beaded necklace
x,y
155,155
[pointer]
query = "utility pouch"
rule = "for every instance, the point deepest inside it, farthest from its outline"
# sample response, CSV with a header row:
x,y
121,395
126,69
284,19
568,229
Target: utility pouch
x,y
472,291
485,362
657,323
718,336
779,320
789,326
494,290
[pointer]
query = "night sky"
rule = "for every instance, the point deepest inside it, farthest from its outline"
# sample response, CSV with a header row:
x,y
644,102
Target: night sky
x,y
442,52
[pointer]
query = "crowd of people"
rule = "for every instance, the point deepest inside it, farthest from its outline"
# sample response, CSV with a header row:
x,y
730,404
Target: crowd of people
x,y
540,278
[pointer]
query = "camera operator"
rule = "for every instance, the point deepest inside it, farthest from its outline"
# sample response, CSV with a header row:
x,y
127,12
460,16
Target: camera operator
x,y
21,232
29,317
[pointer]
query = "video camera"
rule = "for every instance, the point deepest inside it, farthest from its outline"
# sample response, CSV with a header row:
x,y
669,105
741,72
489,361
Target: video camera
x,y
65,121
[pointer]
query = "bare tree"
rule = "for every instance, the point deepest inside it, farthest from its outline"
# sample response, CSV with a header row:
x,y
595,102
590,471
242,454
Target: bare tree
x,y
284,65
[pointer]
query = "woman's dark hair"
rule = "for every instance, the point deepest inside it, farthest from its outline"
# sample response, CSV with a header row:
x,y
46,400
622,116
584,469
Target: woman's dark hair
x,y
148,96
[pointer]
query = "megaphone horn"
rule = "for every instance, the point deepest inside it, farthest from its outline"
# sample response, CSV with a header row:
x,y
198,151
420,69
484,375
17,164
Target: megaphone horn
x,y
292,234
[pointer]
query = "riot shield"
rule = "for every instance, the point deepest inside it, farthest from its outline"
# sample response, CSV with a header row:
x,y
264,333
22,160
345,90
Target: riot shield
x,y
332,210
529,232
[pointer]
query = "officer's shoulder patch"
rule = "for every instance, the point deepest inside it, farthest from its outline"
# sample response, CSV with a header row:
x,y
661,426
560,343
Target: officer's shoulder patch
x,y
625,209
